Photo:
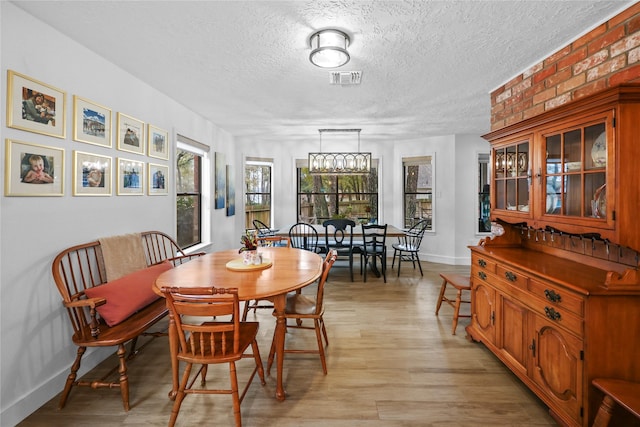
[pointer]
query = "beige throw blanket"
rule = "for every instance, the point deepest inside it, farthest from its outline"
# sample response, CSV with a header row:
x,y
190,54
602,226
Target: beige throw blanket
x,y
122,255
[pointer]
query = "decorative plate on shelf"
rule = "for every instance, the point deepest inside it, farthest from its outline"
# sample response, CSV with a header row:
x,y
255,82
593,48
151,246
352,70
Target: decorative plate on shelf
x,y
599,151
599,202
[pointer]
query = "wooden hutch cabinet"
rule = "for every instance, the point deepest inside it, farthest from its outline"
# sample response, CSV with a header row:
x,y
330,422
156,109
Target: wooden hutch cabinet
x,y
557,297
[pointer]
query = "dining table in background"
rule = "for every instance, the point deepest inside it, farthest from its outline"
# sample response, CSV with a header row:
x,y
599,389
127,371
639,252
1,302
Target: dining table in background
x,y
290,269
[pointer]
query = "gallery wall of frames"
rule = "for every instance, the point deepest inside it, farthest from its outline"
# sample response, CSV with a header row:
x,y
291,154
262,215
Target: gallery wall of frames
x,y
41,170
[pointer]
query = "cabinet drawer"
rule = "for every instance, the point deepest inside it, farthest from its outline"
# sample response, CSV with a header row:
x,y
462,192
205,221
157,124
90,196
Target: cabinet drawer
x,y
512,276
483,263
558,316
557,297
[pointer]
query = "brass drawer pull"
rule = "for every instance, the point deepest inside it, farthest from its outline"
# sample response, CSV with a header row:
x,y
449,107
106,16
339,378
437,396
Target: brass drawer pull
x,y
510,276
482,275
482,263
552,295
551,313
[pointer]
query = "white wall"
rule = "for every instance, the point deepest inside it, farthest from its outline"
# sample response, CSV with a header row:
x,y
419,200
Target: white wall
x,y
35,344
35,336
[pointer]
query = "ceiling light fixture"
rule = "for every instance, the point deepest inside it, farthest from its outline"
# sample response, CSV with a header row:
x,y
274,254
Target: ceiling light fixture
x,y
354,163
329,48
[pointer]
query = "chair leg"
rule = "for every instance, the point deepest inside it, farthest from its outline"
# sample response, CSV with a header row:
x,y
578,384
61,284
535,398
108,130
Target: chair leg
x,y
258,360
180,395
419,265
603,416
393,262
71,379
234,393
456,311
441,296
399,261
245,310
320,345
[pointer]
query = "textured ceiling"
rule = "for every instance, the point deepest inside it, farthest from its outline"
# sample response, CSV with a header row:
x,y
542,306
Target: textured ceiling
x,y
427,66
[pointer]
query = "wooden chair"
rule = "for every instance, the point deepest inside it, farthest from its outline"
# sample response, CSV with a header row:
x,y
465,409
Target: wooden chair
x,y
338,234
374,246
304,236
300,307
625,394
210,342
266,241
408,246
461,283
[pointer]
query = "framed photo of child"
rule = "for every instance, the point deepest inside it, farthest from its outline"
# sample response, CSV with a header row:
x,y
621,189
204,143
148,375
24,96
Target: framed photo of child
x,y
91,174
35,106
158,179
157,142
91,122
130,177
33,170
130,134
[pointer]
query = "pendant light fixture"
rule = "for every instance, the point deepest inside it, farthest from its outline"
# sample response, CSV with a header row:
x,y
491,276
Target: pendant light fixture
x,y
348,163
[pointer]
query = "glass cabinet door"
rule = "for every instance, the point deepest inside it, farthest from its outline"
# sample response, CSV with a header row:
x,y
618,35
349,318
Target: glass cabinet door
x,y
511,177
574,175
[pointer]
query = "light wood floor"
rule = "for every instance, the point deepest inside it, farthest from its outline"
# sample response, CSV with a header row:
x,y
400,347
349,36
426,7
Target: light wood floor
x,y
391,362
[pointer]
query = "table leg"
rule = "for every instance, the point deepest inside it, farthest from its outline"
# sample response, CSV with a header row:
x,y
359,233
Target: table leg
x,y
279,336
173,350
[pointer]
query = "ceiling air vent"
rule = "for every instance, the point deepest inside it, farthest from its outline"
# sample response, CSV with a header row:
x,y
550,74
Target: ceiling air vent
x,y
345,78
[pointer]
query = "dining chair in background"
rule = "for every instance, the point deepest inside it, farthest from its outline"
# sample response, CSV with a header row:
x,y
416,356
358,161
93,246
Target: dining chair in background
x,y
262,228
208,343
408,246
301,307
304,236
338,234
374,247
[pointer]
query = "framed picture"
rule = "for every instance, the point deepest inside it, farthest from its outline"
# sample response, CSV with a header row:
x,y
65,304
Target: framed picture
x,y
231,192
130,134
91,174
158,142
158,179
35,106
91,122
33,170
130,177
220,184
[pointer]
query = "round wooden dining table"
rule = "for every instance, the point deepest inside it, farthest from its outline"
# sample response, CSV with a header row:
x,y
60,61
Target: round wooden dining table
x,y
289,269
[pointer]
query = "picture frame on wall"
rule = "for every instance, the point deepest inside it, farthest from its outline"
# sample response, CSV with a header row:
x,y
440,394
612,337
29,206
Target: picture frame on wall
x,y
230,192
91,174
220,181
158,179
35,106
130,176
33,169
157,142
91,122
131,136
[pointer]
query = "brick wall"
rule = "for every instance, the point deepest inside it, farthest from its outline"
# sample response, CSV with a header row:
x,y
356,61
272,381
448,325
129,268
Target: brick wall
x,y
604,57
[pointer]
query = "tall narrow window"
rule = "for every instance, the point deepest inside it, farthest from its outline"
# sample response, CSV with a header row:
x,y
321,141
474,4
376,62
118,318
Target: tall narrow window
x,y
418,190
189,192
322,197
484,208
257,180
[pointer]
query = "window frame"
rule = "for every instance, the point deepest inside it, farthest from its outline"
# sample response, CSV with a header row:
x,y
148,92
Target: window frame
x,y
262,163
417,161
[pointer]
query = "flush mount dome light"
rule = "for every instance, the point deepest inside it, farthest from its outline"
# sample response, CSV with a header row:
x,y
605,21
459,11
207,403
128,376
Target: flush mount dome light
x,y
329,48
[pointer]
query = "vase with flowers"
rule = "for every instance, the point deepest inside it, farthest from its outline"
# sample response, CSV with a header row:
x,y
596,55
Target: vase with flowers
x,y
249,248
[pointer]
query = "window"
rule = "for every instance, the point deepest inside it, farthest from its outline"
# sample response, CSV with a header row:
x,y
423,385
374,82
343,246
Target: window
x,y
190,159
418,190
484,208
257,180
321,197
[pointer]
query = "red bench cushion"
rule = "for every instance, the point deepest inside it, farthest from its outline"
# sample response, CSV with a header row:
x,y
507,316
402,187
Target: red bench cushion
x,y
127,294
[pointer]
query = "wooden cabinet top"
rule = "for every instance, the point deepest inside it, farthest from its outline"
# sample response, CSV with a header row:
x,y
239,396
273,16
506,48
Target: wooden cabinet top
x,y
576,276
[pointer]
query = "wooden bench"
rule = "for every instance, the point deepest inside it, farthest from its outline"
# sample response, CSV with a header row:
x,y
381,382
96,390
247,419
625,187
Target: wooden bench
x,y
82,267
624,394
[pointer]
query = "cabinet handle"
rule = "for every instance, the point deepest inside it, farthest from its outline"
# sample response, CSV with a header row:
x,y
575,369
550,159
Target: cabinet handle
x,y
482,263
551,313
510,276
532,347
552,295
493,318
482,275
